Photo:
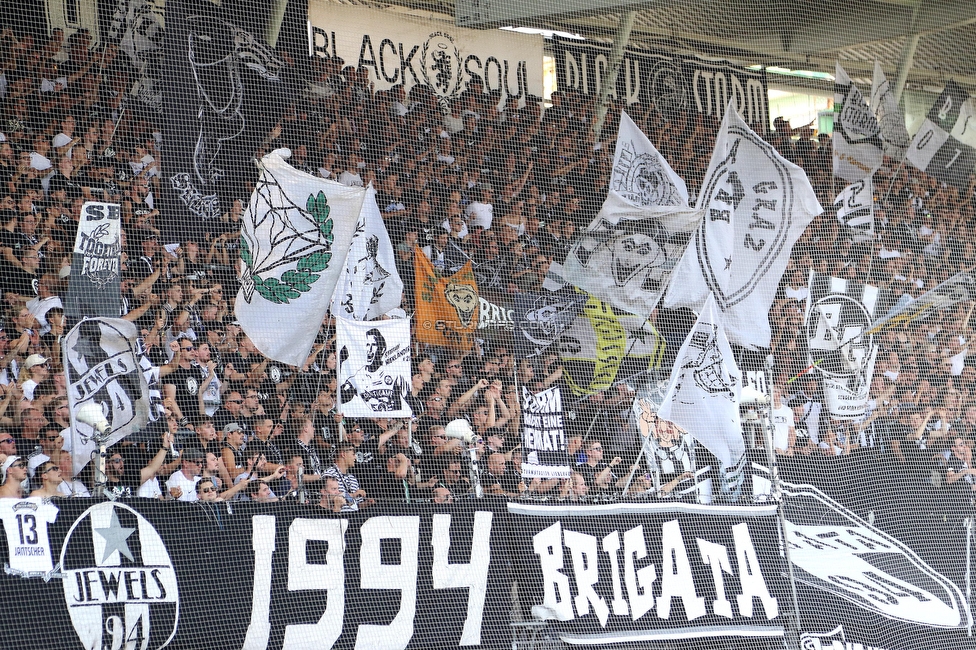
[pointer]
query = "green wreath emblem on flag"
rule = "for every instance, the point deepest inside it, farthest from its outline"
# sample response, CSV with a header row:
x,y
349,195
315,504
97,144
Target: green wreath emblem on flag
x,y
294,282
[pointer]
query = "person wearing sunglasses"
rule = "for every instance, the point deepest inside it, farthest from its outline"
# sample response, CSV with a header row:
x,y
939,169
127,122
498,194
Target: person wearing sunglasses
x,y
50,478
13,473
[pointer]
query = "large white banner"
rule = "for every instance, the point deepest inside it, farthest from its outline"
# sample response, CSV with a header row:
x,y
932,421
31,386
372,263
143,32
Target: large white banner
x,y
626,255
374,367
295,236
398,48
756,205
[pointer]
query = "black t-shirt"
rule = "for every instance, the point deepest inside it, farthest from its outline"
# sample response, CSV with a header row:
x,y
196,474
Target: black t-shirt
x,y
128,486
187,382
19,282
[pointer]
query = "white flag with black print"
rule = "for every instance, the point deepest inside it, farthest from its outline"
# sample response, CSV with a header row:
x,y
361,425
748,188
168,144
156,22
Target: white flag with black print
x,y
943,146
858,151
374,367
703,395
543,437
839,313
370,285
755,205
626,255
891,119
295,235
855,209
105,366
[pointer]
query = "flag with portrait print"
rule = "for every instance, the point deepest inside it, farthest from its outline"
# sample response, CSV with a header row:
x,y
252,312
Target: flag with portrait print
x,y
891,119
447,306
374,367
370,285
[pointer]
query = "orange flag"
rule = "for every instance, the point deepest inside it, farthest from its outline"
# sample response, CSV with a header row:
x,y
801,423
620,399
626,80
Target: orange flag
x,y
447,308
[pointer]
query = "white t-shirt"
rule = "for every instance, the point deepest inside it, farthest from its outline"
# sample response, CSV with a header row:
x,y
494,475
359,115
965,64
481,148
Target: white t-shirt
x,y
187,485
782,422
480,214
25,522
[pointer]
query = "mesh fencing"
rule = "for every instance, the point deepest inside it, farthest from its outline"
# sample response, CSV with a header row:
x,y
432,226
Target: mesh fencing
x,y
341,325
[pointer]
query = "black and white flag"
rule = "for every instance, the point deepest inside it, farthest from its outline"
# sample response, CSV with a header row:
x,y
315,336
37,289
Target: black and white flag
x,y
106,366
855,209
703,396
374,367
755,205
369,285
541,318
543,437
959,288
137,27
93,288
858,151
891,119
838,316
626,255
944,144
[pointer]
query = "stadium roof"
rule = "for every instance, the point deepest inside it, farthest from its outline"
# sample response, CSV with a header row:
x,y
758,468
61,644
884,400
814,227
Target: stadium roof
x,y
795,34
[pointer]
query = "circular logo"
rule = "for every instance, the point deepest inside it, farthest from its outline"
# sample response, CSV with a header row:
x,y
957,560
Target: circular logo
x,y
834,334
669,89
192,386
274,373
119,585
440,64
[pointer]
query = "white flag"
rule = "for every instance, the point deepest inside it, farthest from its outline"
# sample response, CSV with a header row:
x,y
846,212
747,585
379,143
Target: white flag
x,y
755,204
374,368
855,209
105,366
858,151
703,396
838,314
295,236
626,254
370,285
941,147
891,120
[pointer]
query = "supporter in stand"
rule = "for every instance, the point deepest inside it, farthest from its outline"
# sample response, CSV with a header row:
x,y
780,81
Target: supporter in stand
x,y
341,470
13,475
50,483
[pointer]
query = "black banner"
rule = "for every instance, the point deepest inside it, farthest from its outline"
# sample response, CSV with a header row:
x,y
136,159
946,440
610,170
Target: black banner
x,y
670,83
621,573
251,576
224,89
93,288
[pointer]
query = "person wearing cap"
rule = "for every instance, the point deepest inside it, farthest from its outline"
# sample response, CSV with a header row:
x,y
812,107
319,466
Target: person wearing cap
x,y
182,483
13,473
232,449
34,371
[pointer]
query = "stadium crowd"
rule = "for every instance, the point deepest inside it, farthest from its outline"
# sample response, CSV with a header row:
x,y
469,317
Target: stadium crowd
x,y
508,187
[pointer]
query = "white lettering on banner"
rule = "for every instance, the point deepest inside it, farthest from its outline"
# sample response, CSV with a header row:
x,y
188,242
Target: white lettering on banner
x,y
677,576
330,577
717,557
263,544
402,577
473,575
